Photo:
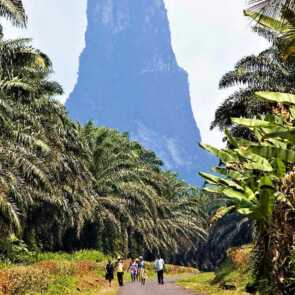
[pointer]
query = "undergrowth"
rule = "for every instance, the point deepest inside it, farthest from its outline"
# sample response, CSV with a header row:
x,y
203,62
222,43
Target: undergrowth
x,y
234,273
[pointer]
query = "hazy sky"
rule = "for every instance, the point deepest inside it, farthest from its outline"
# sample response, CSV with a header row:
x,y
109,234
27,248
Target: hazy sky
x,y
208,38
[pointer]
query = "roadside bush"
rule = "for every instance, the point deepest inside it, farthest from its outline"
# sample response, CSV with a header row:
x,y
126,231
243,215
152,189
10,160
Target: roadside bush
x,y
14,250
82,267
61,285
23,280
64,268
240,256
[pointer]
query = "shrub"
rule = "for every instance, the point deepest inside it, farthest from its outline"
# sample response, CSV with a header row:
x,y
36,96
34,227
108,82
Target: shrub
x,y
14,250
61,285
22,280
82,267
64,268
240,256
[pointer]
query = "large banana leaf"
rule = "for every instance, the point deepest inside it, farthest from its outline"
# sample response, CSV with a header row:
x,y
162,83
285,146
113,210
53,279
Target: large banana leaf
x,y
278,97
224,156
287,135
253,123
250,194
220,181
255,162
286,155
233,174
238,197
210,178
217,189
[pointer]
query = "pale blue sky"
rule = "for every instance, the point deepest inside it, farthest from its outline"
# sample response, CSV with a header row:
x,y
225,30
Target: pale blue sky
x,y
208,38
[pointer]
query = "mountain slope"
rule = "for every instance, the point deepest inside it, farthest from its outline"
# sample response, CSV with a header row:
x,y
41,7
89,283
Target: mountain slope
x,y
129,79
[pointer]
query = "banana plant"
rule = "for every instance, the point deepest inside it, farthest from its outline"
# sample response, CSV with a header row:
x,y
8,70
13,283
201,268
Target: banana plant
x,y
251,172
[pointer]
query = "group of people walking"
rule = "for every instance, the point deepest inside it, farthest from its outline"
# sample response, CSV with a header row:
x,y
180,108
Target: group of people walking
x,y
136,269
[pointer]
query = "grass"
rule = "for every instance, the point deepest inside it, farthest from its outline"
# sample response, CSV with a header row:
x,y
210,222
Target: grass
x,y
202,284
234,271
90,255
170,270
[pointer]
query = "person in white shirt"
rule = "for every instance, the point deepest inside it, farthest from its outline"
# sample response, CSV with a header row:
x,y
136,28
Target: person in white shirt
x,y
159,266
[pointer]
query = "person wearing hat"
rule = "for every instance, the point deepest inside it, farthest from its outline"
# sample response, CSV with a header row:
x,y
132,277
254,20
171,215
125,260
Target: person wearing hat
x,y
120,271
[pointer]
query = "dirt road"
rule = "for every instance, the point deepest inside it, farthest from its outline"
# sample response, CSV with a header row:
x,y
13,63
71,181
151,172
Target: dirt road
x,y
152,288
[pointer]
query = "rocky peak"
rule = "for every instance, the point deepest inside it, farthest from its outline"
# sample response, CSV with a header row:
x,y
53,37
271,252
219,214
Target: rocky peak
x,y
129,79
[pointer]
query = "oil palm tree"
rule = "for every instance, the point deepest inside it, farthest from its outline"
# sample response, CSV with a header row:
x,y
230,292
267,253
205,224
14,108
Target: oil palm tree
x,y
44,172
271,7
14,11
144,203
265,71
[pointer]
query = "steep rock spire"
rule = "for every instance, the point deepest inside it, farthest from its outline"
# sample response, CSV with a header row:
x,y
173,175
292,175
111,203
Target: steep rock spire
x,y
129,79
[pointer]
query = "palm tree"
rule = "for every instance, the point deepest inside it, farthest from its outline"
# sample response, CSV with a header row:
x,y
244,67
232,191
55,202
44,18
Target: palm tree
x,y
44,172
145,204
271,7
14,11
265,71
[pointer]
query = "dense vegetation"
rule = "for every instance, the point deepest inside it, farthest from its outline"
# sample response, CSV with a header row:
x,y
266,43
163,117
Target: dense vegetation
x,y
256,171
66,186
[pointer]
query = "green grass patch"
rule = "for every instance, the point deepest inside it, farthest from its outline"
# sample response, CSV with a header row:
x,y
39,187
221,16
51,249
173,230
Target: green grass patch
x,y
202,284
91,255
234,271
61,285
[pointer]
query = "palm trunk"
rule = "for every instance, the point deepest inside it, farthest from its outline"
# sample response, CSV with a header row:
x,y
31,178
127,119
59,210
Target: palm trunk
x,y
125,249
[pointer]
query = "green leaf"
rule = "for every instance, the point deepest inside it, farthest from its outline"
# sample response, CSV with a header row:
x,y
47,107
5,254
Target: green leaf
x,y
217,189
253,123
245,211
249,193
237,196
219,180
224,156
255,162
278,97
265,181
285,155
230,173
292,112
288,135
